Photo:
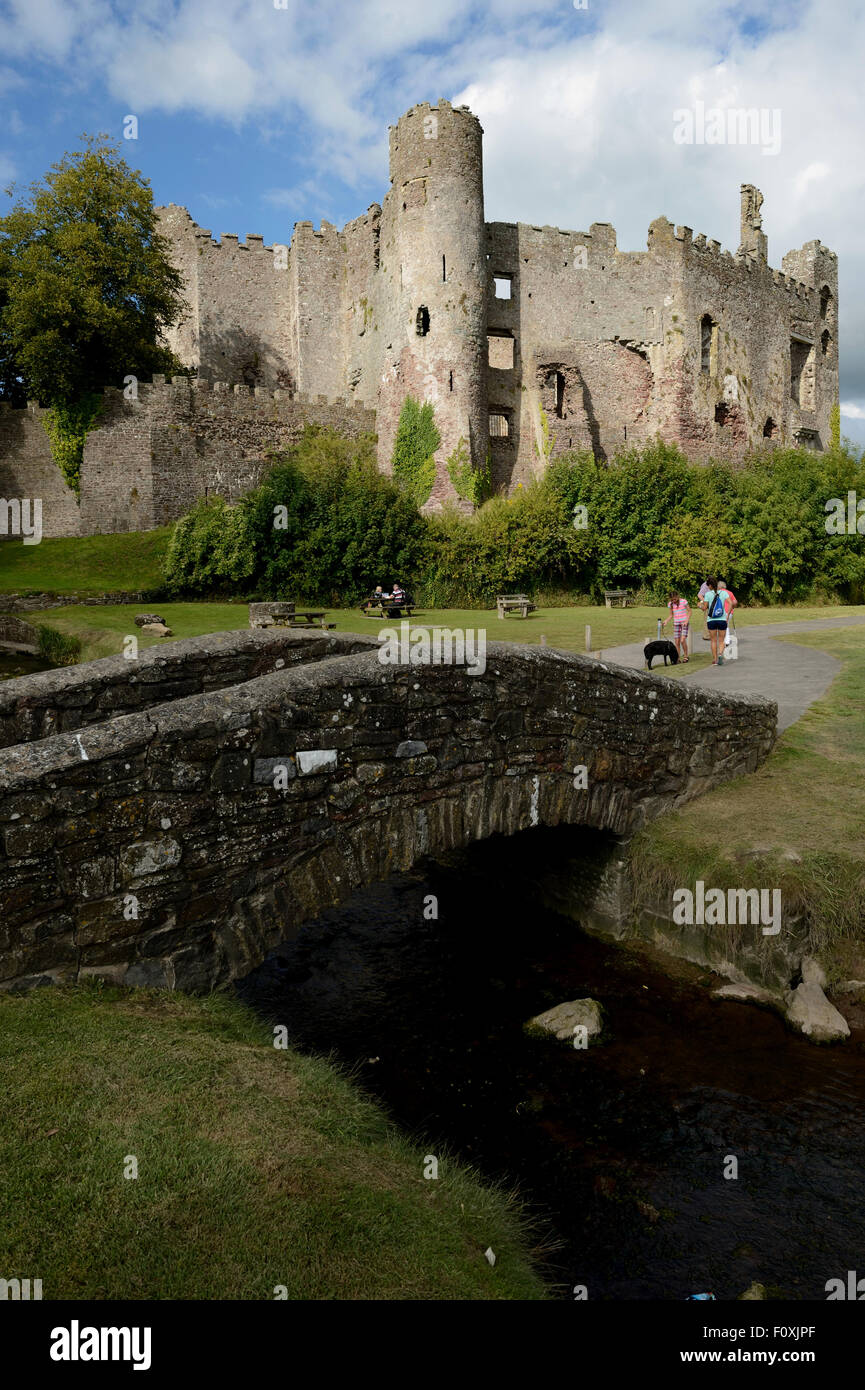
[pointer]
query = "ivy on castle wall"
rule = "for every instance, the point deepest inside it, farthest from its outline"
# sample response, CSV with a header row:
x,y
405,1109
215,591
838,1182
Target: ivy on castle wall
x,y
413,458
67,427
471,484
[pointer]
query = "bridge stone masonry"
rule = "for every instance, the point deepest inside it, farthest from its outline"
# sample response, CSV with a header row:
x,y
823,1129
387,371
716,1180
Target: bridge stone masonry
x,y
196,809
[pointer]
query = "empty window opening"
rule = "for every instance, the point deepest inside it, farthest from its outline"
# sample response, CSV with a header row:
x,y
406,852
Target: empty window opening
x,y
708,329
444,269
422,321
503,286
560,394
500,351
802,373
722,413
825,301
770,429
499,425
825,342
450,381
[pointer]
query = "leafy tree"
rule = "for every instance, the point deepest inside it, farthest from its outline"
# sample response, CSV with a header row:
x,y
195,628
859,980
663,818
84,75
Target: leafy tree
x,y
413,462
86,290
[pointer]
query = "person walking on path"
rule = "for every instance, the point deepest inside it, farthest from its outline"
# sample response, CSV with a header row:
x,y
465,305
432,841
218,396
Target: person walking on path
x,y
680,616
714,606
701,594
730,602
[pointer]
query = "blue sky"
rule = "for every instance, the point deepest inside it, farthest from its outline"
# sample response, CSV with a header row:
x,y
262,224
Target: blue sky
x,y
256,116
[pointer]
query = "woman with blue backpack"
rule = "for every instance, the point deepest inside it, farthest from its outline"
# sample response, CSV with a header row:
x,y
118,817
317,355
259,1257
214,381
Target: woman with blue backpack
x,y
715,608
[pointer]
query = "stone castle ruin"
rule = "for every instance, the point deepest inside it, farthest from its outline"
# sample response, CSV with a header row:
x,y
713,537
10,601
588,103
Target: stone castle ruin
x,y
527,340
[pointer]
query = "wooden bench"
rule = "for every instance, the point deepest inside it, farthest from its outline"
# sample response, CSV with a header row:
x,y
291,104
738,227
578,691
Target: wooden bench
x,y
309,618
621,597
514,603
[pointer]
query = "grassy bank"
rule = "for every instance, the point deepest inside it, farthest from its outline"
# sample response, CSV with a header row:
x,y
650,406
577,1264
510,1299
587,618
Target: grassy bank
x,y
797,824
257,1167
101,629
85,564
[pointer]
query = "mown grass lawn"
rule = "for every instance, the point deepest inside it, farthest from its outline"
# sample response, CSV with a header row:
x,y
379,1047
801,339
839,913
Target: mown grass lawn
x,y
101,629
257,1167
85,564
797,824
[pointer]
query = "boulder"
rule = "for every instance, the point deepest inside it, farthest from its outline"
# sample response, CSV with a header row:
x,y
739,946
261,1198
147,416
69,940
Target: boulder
x,y
564,1018
145,619
157,630
753,1291
809,1010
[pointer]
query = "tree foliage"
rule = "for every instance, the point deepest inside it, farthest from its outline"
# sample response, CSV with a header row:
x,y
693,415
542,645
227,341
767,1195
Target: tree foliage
x,y
325,526
86,283
655,522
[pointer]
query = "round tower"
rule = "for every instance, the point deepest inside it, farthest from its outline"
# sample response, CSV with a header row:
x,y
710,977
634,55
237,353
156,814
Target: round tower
x,y
433,260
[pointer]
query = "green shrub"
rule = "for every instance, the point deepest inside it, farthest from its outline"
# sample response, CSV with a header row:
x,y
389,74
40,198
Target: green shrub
x,y
58,647
210,548
325,526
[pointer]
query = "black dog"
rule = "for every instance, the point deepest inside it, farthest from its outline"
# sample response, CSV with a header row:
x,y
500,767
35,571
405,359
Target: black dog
x,y
660,648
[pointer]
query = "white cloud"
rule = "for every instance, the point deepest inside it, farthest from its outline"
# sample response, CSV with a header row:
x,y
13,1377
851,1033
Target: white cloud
x,y
813,174
850,411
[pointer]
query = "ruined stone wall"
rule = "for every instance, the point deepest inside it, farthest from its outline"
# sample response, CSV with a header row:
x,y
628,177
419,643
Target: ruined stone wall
x,y
238,327
363,308
28,470
321,319
609,344
168,856
152,458
759,315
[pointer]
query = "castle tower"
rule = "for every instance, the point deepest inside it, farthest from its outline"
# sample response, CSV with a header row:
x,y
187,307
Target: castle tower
x,y
433,261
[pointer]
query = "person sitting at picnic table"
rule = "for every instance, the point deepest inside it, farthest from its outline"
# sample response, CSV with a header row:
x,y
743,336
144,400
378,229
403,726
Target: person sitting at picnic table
x,y
398,595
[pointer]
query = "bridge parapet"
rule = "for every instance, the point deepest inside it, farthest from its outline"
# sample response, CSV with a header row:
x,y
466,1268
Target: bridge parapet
x,y
176,845
51,702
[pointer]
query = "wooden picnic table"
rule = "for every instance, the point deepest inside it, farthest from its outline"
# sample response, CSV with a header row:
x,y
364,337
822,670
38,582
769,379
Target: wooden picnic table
x,y
514,603
623,597
308,617
386,608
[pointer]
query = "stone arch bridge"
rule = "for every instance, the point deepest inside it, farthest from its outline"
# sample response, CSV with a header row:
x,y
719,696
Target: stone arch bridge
x,y
149,837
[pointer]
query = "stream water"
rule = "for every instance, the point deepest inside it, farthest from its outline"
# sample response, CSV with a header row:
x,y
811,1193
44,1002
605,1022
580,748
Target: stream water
x,y
20,664
618,1152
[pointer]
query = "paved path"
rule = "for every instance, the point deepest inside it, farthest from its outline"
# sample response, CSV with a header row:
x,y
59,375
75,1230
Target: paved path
x,y
793,676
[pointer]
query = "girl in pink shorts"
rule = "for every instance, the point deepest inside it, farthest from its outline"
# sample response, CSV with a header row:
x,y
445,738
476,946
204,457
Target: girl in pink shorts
x,y
680,617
